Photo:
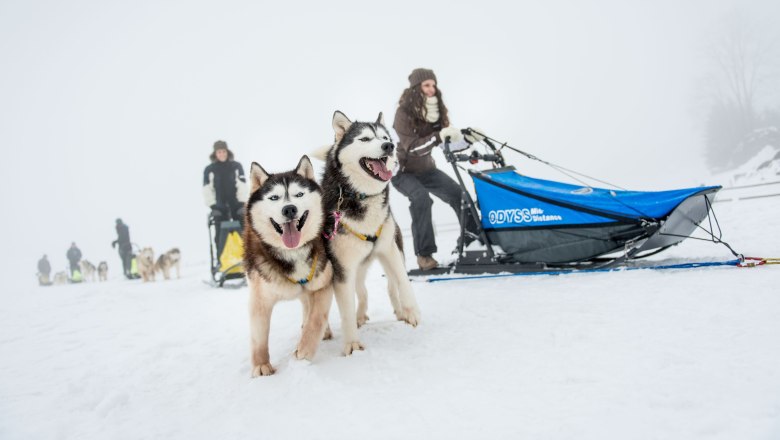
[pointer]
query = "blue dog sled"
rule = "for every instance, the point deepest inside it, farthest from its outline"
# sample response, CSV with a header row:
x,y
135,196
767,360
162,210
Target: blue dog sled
x,y
534,226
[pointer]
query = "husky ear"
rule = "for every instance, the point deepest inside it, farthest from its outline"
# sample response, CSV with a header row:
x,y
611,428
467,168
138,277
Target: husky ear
x,y
380,120
341,124
258,176
321,153
305,168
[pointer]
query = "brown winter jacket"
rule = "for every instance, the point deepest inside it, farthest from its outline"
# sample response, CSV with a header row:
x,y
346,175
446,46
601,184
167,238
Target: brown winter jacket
x,y
416,143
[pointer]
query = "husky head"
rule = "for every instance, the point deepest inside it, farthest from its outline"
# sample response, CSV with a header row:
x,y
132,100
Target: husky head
x,y
285,209
146,257
364,152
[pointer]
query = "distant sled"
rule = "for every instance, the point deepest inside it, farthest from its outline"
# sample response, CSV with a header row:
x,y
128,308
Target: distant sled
x,y
226,253
531,224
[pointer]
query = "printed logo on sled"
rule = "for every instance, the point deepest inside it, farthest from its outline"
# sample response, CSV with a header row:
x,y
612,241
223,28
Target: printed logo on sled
x,y
525,215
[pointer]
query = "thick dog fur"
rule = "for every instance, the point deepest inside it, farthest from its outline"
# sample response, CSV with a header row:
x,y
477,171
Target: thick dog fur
x,y
102,271
145,263
280,202
167,261
88,270
357,185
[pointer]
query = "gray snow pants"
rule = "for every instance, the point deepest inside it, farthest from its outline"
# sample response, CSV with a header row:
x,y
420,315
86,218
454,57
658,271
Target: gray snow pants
x,y
417,188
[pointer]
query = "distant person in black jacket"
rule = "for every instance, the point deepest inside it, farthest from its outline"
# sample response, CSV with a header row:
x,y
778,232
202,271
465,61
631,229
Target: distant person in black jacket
x,y
74,256
44,270
224,188
125,248
224,184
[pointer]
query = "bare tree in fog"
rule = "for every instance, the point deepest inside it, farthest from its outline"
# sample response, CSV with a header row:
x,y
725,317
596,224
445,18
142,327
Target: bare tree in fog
x,y
743,56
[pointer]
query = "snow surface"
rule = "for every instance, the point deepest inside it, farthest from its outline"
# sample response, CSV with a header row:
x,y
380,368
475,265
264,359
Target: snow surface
x,y
642,355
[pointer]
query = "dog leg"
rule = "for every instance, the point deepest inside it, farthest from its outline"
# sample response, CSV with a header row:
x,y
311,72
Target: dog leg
x,y
316,321
394,265
305,305
305,301
345,298
260,323
362,294
392,290
178,274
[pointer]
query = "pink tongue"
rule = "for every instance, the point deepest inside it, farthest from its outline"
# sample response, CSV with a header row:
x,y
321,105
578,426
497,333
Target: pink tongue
x,y
381,170
291,236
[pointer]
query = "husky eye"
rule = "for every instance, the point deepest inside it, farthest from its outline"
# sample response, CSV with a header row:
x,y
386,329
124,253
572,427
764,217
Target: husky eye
x,y
364,139
300,194
274,198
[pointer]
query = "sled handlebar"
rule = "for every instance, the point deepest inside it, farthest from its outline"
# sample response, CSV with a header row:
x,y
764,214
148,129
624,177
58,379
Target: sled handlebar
x,y
475,157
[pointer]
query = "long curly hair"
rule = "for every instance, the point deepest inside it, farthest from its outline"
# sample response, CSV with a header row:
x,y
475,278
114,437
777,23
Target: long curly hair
x,y
413,102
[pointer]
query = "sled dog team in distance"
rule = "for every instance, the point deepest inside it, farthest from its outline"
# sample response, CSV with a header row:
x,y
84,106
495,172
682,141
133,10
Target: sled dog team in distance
x,y
141,265
312,240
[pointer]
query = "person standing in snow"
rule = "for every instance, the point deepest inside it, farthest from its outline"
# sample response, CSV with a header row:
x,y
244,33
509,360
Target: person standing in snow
x,y
422,123
74,256
125,248
44,270
224,187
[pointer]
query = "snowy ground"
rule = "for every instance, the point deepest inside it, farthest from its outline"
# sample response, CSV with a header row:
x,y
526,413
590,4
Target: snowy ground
x,y
631,355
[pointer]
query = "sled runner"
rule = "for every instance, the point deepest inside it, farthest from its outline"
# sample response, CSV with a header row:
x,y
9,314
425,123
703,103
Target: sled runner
x,y
227,254
531,225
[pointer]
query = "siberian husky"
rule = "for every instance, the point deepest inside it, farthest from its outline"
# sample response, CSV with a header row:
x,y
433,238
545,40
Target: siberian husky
x,y
88,270
145,262
167,261
355,185
102,271
285,257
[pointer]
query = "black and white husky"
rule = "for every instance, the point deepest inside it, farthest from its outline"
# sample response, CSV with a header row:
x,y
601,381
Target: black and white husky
x,y
167,261
285,257
359,224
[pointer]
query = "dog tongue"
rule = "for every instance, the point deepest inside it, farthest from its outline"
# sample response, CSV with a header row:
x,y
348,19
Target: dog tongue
x,y
291,236
379,168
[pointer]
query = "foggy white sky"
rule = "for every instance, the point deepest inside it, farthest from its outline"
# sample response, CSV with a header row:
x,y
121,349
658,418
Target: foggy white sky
x,y
109,109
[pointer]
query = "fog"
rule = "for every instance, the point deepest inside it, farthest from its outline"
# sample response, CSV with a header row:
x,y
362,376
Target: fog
x,y
109,109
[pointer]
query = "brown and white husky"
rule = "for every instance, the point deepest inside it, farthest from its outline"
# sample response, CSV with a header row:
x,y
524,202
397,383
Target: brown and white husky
x,y
285,258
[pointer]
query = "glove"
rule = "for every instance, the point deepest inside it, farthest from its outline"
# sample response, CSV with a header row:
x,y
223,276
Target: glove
x,y
450,132
472,136
113,243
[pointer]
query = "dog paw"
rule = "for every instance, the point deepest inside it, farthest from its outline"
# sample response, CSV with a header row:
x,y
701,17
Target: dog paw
x,y
361,320
304,353
328,334
263,370
350,347
410,315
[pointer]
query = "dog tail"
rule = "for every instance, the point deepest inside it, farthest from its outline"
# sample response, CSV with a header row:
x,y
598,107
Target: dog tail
x,y
321,153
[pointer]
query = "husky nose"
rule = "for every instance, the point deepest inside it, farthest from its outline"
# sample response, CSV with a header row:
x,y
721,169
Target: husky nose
x,y
290,211
388,147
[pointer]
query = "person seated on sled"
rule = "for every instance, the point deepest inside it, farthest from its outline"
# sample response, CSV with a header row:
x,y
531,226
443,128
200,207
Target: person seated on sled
x,y
224,187
422,123
44,270
125,248
74,257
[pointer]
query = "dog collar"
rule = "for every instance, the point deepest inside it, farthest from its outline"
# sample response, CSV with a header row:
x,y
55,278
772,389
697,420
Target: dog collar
x,y
303,281
356,195
371,238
